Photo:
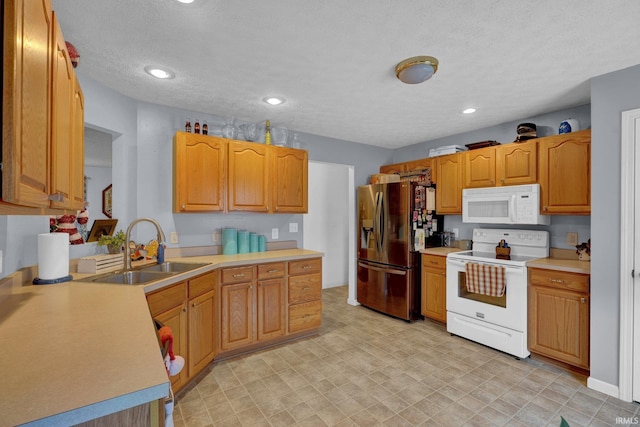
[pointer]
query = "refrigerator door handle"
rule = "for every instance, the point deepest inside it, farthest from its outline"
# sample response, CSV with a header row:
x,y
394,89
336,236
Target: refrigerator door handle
x,y
383,270
377,224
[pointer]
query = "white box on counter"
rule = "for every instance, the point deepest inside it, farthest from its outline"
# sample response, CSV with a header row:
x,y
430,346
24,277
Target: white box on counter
x,y
100,263
447,149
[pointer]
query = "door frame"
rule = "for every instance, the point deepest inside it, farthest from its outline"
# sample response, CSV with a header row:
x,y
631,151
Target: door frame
x,y
630,131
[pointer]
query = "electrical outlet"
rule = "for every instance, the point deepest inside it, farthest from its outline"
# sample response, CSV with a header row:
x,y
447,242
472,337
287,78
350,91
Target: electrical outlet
x,y
173,237
293,227
455,232
572,239
215,237
274,233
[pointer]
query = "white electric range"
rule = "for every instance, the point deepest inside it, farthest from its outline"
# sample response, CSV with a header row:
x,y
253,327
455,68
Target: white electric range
x,y
498,322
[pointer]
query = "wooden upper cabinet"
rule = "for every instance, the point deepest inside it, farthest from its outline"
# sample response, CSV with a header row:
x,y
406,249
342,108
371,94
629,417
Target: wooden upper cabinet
x,y
26,105
199,173
248,186
77,150
517,163
412,165
395,168
479,167
449,190
62,141
565,173
289,172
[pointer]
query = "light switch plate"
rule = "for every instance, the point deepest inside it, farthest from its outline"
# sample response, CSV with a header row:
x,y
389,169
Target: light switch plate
x,y
274,233
293,227
173,237
215,237
572,239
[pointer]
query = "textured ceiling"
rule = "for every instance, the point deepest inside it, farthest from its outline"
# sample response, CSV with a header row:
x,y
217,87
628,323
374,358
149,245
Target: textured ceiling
x,y
334,61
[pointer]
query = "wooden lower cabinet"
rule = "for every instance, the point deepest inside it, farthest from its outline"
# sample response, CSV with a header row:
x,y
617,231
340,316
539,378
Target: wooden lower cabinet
x,y
305,295
188,308
434,287
271,309
237,302
559,316
202,325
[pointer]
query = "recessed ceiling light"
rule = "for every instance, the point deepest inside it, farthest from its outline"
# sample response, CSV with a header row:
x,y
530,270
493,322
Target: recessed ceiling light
x,y
159,73
273,100
469,111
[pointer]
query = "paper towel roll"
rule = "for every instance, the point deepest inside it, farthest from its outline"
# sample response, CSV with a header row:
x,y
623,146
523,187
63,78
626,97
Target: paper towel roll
x,y
53,255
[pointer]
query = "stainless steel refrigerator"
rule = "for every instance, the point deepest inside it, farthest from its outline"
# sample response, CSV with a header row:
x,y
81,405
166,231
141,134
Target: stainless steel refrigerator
x,y
389,215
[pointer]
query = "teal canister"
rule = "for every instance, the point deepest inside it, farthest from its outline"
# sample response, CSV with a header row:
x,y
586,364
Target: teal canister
x,y
262,243
229,241
243,242
253,242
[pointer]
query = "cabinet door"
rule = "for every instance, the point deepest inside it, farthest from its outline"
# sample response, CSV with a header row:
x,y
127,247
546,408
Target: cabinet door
x,y
565,173
237,303
395,168
201,332
199,173
517,163
77,176
26,105
248,186
480,168
271,308
449,190
62,155
426,163
176,319
290,180
434,287
559,325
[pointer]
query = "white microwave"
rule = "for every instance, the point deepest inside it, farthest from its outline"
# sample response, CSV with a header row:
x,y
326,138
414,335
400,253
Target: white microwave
x,y
514,204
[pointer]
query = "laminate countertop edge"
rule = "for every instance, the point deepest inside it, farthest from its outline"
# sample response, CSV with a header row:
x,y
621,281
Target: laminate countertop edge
x,y
560,264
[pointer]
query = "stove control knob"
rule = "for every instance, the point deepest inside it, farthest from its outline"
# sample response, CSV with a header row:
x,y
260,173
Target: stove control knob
x,y
530,236
521,236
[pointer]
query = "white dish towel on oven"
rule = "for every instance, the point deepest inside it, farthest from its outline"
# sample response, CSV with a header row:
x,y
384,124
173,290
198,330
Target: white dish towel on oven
x,y
485,279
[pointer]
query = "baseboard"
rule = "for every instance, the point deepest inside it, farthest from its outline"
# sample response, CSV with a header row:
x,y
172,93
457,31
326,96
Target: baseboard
x,y
352,301
602,387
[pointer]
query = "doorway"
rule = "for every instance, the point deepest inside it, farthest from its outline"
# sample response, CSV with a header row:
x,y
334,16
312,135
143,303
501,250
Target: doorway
x,y
329,225
629,378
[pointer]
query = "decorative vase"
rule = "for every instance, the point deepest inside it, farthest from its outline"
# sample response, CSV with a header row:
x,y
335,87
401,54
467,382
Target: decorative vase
x,y
114,249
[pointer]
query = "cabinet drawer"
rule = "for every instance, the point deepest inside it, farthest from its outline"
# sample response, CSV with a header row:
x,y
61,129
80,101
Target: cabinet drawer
x,y
167,298
305,266
202,284
305,316
434,261
274,269
305,288
237,275
559,279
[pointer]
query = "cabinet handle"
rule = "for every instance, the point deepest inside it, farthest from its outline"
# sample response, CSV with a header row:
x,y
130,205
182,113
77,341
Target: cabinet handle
x,y
238,275
250,286
556,280
56,197
491,182
583,300
502,181
544,208
193,305
184,207
433,262
184,309
306,288
305,267
272,271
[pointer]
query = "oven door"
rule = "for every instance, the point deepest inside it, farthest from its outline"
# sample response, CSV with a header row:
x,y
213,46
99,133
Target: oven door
x,y
509,311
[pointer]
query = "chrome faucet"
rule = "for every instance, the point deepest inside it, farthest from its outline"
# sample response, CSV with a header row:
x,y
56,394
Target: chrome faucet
x,y
127,249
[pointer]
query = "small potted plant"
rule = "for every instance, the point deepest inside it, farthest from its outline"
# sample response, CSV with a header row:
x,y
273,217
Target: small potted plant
x,y
115,243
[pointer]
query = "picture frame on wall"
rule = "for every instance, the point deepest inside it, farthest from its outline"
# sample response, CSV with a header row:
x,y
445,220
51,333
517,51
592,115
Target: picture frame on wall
x,y
107,201
102,227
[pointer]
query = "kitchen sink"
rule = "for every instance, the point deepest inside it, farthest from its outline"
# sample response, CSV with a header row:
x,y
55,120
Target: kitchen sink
x,y
132,277
173,267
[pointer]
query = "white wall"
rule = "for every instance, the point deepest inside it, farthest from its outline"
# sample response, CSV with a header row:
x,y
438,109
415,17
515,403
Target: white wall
x,y
326,228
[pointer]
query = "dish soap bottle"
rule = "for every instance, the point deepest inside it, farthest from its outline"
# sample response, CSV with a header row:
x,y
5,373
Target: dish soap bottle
x,y
267,133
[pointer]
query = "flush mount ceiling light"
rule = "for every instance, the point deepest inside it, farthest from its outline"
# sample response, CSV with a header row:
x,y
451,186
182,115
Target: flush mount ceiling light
x,y
469,111
185,1
159,73
417,69
273,100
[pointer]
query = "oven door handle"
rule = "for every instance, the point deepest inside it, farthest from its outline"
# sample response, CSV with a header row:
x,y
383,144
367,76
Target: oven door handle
x,y
383,270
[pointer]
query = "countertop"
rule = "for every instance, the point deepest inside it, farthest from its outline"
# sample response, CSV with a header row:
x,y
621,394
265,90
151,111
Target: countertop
x,y
80,350
562,264
443,251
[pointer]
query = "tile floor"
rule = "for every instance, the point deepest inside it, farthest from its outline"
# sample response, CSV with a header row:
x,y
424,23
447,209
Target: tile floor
x,y
367,369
